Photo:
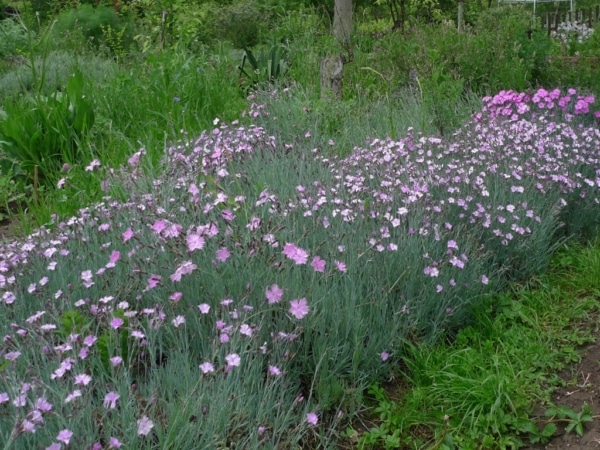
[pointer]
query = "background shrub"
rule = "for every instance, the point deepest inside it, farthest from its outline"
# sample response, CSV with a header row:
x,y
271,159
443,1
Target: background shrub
x,y
13,38
241,23
56,68
98,26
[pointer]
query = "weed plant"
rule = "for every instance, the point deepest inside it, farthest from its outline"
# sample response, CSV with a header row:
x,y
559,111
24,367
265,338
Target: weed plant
x,y
277,283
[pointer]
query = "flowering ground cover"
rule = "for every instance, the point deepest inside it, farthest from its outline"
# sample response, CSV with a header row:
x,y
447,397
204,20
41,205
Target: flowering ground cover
x,y
245,293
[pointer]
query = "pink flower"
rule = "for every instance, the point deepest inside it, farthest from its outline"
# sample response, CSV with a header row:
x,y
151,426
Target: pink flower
x,y
274,294
227,215
484,279
95,163
172,230
64,436
275,371
73,395
204,308
12,356
43,405
116,323
144,426
246,330
176,296
340,265
114,257
195,242
110,400
384,356
138,334
185,268
299,308
223,254
254,224
318,264
312,418
159,226
207,367
135,158
153,281
116,360
233,360
296,254
177,321
83,379
114,443
128,234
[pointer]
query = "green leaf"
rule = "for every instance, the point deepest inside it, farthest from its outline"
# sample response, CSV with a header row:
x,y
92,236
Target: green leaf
x,y
549,430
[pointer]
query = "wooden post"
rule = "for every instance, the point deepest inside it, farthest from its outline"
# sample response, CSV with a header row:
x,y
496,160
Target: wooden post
x,y
163,29
331,69
36,194
461,16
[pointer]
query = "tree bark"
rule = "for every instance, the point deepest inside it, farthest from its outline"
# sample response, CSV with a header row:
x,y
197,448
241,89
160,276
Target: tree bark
x,y
461,16
342,21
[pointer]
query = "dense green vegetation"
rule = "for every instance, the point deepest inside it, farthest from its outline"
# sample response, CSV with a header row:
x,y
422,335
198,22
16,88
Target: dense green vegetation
x,y
188,202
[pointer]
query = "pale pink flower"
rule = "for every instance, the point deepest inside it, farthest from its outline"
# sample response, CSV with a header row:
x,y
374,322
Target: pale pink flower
x,y
274,294
159,226
116,360
204,308
177,321
275,371
128,234
318,264
12,356
176,296
384,356
296,254
114,443
95,163
116,323
110,400
312,418
64,436
299,308
43,405
340,265
207,367
223,254
254,224
233,360
72,396
246,330
114,257
82,379
195,242
145,425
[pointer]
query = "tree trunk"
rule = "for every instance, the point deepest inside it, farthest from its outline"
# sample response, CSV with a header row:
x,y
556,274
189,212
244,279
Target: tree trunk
x,y
461,16
332,67
342,21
